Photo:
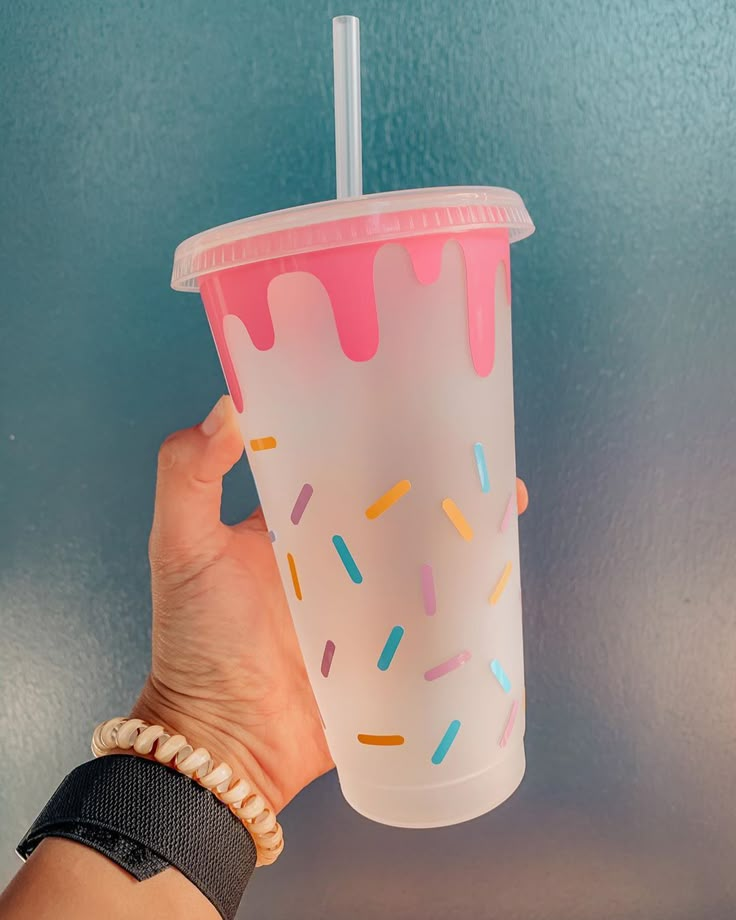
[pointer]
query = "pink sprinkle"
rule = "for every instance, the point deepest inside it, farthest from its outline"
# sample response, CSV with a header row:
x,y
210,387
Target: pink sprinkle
x,y
507,514
450,665
301,503
327,658
428,593
509,724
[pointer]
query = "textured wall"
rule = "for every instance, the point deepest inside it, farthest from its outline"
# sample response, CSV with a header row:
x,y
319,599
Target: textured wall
x,y
126,127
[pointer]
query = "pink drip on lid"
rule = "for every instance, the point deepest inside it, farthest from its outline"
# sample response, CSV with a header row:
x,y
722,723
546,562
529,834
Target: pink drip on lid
x,y
347,277
484,252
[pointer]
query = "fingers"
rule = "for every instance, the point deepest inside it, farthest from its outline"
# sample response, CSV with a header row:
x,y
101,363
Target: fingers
x,y
522,496
191,465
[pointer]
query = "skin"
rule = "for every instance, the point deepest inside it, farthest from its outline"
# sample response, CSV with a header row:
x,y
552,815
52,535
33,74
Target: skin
x,y
226,672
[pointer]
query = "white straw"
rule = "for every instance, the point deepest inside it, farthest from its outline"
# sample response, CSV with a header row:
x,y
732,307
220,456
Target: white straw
x,y
348,143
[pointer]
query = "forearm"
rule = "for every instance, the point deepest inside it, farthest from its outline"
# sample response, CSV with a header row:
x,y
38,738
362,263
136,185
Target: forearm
x,y
64,880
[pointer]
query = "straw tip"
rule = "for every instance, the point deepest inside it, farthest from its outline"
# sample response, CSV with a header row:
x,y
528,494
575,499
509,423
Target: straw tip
x,y
345,20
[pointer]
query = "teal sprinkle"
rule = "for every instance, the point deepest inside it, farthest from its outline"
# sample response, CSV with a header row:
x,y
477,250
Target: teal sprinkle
x,y
389,649
347,560
500,675
480,462
447,739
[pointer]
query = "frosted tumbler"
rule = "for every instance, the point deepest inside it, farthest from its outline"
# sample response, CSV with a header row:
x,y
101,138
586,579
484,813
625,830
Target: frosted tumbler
x,y
366,344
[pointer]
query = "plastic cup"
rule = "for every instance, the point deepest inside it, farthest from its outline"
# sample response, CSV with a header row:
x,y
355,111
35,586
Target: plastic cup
x,y
366,344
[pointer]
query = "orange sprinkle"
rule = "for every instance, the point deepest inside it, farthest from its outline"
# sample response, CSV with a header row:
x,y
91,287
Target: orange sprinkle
x,y
387,499
263,443
294,577
384,740
458,519
501,585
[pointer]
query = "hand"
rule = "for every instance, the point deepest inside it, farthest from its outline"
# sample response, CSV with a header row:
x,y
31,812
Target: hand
x,y
226,668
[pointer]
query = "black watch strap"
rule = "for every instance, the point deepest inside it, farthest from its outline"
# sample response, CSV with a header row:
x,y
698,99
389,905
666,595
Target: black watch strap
x,y
146,817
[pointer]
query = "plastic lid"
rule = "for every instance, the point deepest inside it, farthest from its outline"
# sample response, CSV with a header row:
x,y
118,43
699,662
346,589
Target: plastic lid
x,y
345,222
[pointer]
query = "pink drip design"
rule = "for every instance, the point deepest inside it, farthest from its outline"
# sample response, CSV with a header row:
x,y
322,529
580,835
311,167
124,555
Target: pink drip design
x,y
483,252
244,292
426,256
348,281
347,277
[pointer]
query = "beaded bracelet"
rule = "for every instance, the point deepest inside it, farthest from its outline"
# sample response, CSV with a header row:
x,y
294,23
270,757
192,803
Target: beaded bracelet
x,y
241,798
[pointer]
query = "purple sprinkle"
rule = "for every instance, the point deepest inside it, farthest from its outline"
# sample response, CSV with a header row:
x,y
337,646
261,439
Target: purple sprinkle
x,y
428,593
327,658
301,503
272,536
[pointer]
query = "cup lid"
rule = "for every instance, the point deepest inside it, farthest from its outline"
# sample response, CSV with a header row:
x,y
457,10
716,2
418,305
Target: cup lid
x,y
346,222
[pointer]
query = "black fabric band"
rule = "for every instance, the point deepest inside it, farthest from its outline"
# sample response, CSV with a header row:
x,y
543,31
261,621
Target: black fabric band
x,y
145,817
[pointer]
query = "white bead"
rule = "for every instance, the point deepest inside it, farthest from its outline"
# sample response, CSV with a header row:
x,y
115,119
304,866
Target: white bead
x,y
251,807
236,795
265,822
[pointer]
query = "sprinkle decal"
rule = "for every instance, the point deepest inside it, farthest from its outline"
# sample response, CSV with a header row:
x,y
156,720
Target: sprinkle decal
x,y
457,661
301,503
509,724
381,740
263,444
327,656
500,675
508,513
458,519
387,499
272,536
501,584
480,462
389,649
294,576
347,559
428,592
447,739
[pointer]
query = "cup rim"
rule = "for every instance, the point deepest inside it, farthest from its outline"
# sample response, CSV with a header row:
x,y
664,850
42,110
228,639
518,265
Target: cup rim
x,y
348,221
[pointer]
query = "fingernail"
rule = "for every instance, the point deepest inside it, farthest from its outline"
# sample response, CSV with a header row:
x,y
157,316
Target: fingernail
x,y
214,421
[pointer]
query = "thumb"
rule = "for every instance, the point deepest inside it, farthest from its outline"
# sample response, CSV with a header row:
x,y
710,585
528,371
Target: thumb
x,y
191,464
522,496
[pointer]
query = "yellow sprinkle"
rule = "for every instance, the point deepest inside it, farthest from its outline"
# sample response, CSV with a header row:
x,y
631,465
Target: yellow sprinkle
x,y
502,582
294,577
263,443
457,518
387,499
381,739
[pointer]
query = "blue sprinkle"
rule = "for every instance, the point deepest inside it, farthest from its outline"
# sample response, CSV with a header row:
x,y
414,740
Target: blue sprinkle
x,y
389,649
480,462
500,675
444,746
272,536
347,560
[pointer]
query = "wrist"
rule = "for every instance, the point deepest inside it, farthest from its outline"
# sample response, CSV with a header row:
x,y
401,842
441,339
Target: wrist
x,y
205,726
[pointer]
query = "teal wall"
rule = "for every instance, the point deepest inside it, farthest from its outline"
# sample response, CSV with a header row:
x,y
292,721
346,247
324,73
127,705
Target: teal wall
x,y
125,127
